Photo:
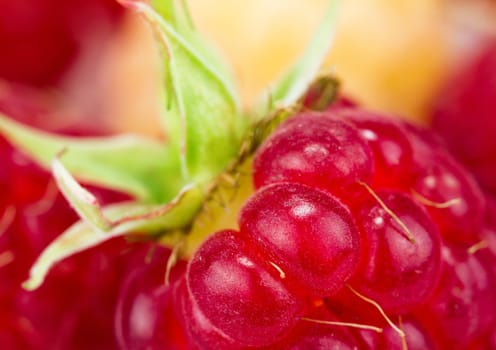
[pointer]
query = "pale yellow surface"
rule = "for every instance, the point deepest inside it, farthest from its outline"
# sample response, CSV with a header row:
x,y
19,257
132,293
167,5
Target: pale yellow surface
x,y
388,53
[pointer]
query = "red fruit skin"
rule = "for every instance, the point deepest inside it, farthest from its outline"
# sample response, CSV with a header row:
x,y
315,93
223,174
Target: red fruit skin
x,y
463,113
317,150
392,150
344,102
442,180
350,308
41,39
445,188
237,295
487,256
307,233
17,333
487,251
80,295
425,145
315,336
200,333
416,337
144,316
395,272
460,310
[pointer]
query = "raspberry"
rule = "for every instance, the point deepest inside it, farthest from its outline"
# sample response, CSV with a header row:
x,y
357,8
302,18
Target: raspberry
x,y
443,181
79,294
366,233
307,233
463,113
417,337
323,335
326,153
399,269
52,31
238,295
457,312
362,232
144,316
392,150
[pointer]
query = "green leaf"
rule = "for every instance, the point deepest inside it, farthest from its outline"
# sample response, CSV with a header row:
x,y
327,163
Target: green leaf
x,y
293,84
204,120
128,163
123,219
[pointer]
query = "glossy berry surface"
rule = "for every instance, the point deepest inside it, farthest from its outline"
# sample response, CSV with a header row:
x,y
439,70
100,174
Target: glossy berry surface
x,y
457,202
80,296
238,293
393,153
401,256
321,336
458,311
316,150
309,234
144,315
417,337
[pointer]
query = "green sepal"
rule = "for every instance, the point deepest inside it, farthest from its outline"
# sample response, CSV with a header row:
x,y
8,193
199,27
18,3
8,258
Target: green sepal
x,y
122,219
82,201
203,115
99,225
141,167
176,13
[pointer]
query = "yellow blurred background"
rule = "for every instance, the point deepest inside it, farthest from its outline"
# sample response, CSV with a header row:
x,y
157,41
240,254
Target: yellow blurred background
x,y
380,46
390,55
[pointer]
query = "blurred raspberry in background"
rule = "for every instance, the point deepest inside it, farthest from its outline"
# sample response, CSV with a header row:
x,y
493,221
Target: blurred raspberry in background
x,y
41,40
464,107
